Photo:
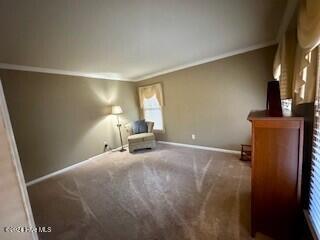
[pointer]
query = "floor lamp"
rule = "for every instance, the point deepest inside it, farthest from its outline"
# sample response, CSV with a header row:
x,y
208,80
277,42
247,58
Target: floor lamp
x,y
117,110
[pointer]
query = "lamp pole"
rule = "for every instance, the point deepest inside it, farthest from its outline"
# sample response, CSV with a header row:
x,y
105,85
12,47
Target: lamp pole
x,y
116,110
119,126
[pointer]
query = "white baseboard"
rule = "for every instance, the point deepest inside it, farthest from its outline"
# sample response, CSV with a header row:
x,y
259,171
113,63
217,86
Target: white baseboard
x,y
202,147
40,179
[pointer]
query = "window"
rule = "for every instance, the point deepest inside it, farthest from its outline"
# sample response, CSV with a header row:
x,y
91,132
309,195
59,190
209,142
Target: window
x,y
314,206
151,102
152,112
314,198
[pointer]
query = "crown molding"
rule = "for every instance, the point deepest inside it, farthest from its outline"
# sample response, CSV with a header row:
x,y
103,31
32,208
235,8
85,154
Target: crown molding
x,y
287,16
136,79
206,60
106,76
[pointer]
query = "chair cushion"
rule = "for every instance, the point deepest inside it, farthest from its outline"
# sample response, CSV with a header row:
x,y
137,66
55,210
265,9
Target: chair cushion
x,y
139,126
141,137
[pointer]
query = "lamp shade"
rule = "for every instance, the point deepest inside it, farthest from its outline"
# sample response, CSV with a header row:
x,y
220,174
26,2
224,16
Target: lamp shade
x,y
116,110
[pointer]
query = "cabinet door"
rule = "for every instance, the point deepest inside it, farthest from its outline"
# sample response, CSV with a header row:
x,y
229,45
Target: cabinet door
x,y
275,178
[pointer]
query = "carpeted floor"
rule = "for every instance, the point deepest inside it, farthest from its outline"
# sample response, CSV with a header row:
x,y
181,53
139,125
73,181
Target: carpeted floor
x,y
171,193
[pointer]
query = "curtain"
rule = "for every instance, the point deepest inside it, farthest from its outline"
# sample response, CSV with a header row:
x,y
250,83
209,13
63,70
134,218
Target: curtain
x,y
305,75
309,24
279,64
308,31
149,91
295,64
284,62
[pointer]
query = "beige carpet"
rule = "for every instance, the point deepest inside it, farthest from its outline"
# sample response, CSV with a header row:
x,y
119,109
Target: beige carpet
x,y
172,193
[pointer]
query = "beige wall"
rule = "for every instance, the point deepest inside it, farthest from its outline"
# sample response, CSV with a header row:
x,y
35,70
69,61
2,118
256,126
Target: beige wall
x,y
213,100
14,203
61,120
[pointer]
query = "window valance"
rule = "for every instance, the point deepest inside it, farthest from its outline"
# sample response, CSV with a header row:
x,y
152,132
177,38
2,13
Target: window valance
x,y
296,67
309,24
149,91
308,31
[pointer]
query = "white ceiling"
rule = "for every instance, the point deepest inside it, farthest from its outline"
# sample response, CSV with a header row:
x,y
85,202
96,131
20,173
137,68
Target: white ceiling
x,y
131,39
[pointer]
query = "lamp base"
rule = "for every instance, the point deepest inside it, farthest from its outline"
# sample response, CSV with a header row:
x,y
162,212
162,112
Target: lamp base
x,y
122,150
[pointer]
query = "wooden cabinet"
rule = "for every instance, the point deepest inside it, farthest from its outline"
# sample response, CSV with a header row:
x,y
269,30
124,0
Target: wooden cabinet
x,y
277,144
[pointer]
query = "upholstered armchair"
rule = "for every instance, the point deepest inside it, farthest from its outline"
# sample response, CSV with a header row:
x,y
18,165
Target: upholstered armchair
x,y
141,140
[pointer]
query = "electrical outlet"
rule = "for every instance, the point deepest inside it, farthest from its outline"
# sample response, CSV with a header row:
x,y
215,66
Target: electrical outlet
x,y
105,146
193,136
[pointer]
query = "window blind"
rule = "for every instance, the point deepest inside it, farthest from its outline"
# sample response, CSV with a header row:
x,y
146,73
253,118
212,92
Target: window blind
x,y
314,206
314,201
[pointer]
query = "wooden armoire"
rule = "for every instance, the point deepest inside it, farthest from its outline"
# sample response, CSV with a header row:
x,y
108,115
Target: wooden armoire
x,y
277,148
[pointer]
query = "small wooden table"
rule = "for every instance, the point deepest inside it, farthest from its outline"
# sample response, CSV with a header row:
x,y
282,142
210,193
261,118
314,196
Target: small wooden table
x,y
245,152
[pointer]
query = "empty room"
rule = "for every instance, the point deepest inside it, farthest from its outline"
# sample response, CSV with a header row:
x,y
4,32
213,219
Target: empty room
x,y
160,120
